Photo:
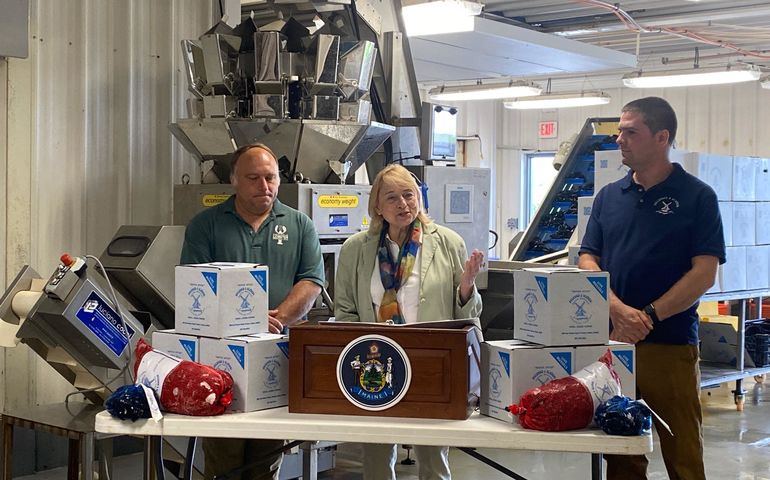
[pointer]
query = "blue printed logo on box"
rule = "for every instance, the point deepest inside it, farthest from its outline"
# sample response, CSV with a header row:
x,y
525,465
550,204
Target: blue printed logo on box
x,y
211,278
261,277
494,385
189,348
239,353
272,380
196,293
245,307
579,302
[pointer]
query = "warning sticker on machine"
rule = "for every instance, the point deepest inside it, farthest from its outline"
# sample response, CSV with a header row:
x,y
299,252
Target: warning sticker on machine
x,y
105,323
338,201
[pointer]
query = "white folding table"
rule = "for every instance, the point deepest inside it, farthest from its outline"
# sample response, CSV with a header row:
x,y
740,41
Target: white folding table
x,y
476,432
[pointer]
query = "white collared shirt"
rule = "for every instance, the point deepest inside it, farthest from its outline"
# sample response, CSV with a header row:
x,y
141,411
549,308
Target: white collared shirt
x,y
408,296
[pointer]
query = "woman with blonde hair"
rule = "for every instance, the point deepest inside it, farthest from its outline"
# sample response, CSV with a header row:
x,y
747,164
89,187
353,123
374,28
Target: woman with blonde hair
x,y
404,269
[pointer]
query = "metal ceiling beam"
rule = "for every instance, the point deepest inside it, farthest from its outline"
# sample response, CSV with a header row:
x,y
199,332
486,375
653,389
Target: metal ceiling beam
x,y
660,12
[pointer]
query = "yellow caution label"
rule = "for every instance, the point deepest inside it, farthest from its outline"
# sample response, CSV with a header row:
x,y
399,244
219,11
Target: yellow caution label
x,y
338,201
213,199
365,221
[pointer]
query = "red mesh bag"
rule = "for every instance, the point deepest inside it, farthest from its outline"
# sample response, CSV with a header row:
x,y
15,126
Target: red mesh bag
x,y
568,403
184,387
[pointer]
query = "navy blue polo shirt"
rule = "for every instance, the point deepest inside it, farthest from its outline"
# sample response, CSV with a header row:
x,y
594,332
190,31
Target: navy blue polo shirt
x,y
646,240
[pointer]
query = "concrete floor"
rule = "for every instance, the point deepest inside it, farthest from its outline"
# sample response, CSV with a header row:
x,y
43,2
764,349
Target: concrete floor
x,y
737,446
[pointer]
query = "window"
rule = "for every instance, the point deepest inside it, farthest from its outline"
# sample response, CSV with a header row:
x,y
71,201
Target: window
x,y
539,175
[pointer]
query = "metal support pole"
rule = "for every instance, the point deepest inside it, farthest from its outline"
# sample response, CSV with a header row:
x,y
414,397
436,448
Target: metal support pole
x,y
87,456
597,466
309,460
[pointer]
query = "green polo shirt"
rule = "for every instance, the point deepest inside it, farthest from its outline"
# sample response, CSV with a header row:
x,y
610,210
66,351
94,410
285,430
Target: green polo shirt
x,y
286,242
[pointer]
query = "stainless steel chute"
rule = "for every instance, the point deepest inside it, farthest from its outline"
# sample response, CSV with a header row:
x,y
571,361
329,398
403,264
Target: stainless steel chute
x,y
303,95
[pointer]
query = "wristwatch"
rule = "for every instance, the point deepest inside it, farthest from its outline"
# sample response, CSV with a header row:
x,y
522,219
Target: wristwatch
x,y
649,309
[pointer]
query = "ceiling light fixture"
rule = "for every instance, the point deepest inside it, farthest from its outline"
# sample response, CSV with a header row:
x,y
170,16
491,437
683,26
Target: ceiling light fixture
x,y
440,16
558,100
479,91
693,77
765,82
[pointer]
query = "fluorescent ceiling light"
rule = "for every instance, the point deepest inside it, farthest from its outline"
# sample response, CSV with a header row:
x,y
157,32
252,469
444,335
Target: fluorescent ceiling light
x,y
480,91
693,77
558,100
765,82
579,31
440,16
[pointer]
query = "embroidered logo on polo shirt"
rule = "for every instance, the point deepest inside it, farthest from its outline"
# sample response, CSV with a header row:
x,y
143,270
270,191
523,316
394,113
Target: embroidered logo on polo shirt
x,y
279,234
666,205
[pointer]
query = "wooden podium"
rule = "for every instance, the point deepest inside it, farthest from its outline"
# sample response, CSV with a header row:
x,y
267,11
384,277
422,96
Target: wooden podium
x,y
444,369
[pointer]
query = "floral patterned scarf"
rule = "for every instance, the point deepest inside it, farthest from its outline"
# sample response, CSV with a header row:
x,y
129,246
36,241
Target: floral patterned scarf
x,y
394,273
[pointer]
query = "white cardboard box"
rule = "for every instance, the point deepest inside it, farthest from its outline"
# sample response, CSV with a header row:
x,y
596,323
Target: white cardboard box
x,y
762,180
561,306
259,365
511,367
762,225
719,343
584,204
608,168
221,299
623,360
744,224
183,347
758,267
726,212
715,170
744,179
734,269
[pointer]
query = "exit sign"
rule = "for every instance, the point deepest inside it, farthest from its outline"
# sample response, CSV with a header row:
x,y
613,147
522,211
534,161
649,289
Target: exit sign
x,y
547,130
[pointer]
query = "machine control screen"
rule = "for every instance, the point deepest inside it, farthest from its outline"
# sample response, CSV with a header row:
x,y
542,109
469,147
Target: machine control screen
x,y
338,220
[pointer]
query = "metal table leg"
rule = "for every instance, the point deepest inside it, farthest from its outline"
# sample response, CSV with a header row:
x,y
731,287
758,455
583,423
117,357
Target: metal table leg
x,y
73,455
7,449
104,449
309,461
189,461
739,393
153,458
597,466
87,456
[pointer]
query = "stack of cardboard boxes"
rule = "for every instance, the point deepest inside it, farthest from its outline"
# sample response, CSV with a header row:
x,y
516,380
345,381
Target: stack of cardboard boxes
x,y
221,320
561,325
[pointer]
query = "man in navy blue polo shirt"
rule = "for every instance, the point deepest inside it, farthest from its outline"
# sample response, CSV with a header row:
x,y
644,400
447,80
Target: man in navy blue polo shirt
x,y
658,233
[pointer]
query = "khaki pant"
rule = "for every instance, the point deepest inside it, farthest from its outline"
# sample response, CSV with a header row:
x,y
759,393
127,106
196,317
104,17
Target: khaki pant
x,y
380,462
222,455
668,379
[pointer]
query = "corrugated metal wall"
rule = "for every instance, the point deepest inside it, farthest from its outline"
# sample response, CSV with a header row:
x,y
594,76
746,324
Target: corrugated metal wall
x,y
85,140
729,120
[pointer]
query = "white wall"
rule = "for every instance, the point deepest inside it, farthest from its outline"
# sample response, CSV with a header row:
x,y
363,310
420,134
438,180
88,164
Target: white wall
x,y
730,120
84,137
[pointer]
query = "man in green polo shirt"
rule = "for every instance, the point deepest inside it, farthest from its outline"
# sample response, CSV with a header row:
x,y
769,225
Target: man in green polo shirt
x,y
252,226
